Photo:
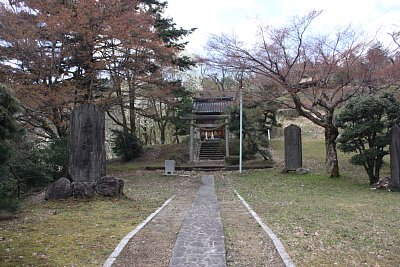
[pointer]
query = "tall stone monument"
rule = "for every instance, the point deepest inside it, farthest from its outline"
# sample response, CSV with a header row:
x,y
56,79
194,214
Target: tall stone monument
x,y
395,155
293,150
86,144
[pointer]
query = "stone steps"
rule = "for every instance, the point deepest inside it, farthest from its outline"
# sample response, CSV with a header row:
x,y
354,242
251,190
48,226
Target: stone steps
x,y
209,150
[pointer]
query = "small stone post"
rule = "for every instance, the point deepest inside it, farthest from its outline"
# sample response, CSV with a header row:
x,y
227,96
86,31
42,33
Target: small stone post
x,y
395,155
191,143
169,167
227,137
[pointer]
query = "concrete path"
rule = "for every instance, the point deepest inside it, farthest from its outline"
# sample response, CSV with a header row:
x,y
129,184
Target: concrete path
x,y
200,241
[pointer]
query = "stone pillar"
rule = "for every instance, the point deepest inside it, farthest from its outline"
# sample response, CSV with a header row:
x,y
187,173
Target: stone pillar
x,y
227,137
293,149
191,143
395,155
86,144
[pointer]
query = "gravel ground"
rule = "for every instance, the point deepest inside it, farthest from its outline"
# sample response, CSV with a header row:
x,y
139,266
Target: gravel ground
x,y
246,242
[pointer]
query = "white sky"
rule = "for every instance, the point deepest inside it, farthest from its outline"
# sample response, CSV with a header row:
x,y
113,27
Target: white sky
x,y
241,17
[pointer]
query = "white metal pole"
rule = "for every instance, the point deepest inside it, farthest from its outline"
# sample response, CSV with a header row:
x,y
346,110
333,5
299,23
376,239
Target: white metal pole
x,y
241,130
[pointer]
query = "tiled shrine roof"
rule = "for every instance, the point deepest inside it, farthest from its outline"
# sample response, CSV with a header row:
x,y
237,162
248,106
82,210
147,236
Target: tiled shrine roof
x,y
212,106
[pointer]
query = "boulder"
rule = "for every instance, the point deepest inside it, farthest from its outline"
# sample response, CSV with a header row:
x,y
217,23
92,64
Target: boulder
x,y
109,186
60,189
83,189
385,183
302,170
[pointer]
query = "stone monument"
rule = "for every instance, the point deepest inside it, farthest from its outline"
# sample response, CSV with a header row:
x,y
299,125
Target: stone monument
x,y
395,155
86,144
293,150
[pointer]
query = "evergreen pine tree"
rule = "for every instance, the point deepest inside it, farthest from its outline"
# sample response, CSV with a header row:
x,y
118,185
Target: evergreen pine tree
x,y
366,122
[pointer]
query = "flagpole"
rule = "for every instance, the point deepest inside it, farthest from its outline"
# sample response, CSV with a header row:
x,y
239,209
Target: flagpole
x,y
241,129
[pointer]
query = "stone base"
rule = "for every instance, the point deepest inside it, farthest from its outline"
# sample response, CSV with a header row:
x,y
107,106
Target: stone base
x,y
83,190
107,186
60,189
110,186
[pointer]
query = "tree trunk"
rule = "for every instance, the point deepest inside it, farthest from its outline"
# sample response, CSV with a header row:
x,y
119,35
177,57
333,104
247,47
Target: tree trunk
x,y
176,136
369,168
162,127
132,111
132,98
59,123
378,165
332,163
373,179
121,106
153,135
145,133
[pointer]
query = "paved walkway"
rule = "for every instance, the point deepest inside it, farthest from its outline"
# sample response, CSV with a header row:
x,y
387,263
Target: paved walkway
x,y
200,241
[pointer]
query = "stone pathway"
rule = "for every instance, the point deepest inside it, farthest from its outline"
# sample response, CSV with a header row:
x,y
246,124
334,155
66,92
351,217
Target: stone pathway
x,y
200,241
153,245
190,229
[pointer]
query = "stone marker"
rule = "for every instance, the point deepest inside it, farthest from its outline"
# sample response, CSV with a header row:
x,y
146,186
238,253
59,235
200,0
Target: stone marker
x,y
169,167
395,155
86,144
293,152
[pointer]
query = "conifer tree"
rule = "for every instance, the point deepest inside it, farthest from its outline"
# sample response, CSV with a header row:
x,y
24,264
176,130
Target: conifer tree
x,y
8,125
366,122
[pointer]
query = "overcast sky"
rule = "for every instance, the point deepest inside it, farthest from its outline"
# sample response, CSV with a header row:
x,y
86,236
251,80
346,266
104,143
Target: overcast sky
x,y
241,17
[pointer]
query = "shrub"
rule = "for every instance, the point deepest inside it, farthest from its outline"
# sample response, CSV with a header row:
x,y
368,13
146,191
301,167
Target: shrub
x,y
180,158
232,160
56,156
8,125
366,122
249,148
30,164
256,122
9,130
8,195
126,144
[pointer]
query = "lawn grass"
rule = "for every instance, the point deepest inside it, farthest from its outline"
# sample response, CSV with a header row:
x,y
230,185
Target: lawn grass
x,y
79,232
152,156
326,221
321,221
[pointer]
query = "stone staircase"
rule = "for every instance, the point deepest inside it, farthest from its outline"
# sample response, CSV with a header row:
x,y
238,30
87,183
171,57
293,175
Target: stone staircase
x,y
209,150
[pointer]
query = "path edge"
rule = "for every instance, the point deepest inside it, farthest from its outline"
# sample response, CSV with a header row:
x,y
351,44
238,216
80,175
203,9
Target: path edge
x,y
126,239
277,243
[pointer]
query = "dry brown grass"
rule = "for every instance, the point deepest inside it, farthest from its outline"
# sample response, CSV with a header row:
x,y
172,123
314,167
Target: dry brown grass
x,y
324,221
81,232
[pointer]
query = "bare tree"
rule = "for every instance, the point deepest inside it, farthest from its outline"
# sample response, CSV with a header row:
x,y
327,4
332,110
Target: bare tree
x,y
216,76
314,74
396,37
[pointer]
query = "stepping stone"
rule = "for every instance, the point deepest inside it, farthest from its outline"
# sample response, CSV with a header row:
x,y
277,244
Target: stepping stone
x,y
200,241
